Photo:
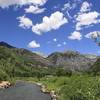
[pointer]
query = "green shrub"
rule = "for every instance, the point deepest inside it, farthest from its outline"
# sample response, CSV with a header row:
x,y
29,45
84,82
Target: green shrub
x,y
3,75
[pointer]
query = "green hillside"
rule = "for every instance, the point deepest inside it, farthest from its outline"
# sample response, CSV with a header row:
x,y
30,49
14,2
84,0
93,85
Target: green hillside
x,y
95,69
16,62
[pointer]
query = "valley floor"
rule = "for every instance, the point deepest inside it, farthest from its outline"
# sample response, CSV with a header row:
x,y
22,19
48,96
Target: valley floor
x,y
76,87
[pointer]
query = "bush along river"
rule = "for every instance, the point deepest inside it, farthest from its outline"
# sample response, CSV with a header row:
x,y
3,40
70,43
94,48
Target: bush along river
x,y
23,91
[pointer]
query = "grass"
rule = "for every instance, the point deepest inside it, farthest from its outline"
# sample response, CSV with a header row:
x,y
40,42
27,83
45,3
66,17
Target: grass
x,y
76,87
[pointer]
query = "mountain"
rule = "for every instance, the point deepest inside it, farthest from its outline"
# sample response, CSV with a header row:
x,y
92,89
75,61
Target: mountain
x,y
6,45
18,62
95,68
73,61
22,55
69,60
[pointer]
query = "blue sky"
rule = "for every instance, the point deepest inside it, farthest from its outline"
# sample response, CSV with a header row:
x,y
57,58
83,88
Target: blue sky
x,y
46,26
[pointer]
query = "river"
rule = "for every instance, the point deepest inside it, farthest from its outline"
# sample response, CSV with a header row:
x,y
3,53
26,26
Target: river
x,y
23,91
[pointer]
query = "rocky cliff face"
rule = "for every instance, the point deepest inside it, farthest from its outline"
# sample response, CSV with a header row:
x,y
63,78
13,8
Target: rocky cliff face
x,y
72,60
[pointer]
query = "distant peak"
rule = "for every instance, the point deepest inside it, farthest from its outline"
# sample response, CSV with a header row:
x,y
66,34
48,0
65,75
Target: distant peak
x,y
66,53
2,43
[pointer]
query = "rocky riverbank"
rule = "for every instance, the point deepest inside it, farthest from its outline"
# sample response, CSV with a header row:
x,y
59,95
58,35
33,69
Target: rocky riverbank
x,y
45,90
4,84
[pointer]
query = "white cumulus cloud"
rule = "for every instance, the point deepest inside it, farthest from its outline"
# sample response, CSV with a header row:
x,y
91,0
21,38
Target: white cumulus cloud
x,y
75,36
86,19
85,7
24,22
33,44
93,35
34,9
7,3
55,21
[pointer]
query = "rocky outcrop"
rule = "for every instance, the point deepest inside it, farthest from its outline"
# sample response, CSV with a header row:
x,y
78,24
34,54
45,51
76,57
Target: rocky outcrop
x,y
4,84
73,61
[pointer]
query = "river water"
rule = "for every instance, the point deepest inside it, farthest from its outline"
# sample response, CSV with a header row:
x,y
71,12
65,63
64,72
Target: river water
x,y
23,91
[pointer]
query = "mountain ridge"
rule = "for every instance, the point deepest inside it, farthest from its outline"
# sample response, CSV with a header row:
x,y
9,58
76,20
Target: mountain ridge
x,y
2,43
70,60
